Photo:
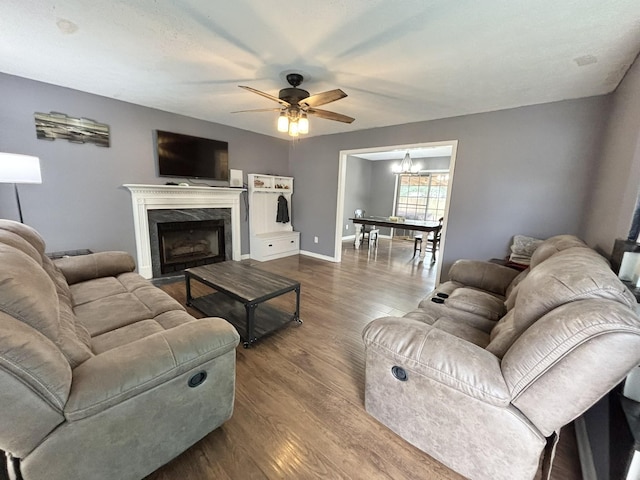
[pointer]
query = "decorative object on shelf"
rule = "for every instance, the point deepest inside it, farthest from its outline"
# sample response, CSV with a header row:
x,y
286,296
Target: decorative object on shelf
x,y
406,166
50,126
16,168
296,104
235,178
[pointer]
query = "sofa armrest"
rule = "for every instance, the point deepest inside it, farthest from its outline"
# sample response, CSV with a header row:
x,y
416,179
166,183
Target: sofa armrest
x,y
123,372
486,276
425,350
95,265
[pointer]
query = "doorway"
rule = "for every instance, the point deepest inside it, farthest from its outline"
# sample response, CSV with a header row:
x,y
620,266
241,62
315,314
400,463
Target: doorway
x,y
391,152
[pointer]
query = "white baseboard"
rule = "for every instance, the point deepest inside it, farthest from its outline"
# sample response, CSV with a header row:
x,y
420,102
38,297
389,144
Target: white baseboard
x,y
318,256
245,256
348,237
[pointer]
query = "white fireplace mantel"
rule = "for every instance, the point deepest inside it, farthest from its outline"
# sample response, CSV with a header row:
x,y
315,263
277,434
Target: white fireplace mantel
x,y
153,197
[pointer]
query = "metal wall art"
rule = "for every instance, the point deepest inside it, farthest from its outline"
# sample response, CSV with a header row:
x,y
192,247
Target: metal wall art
x,y
50,126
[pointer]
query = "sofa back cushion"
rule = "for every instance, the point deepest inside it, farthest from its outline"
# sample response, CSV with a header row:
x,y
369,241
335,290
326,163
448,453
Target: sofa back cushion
x,y
573,274
26,232
36,293
27,293
570,358
553,245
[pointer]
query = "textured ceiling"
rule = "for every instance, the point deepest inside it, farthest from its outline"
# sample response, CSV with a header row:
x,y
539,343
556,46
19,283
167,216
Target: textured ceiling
x,y
399,61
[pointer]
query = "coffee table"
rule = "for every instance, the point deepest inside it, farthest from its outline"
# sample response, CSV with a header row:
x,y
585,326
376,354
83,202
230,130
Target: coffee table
x,y
240,289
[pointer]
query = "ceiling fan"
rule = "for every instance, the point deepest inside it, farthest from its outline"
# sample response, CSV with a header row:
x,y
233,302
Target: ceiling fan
x,y
297,103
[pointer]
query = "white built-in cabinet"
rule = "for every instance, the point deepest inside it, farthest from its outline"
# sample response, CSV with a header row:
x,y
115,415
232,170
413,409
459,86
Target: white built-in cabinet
x,y
270,239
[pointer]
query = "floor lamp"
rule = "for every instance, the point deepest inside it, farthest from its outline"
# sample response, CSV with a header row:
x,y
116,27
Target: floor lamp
x,y
16,168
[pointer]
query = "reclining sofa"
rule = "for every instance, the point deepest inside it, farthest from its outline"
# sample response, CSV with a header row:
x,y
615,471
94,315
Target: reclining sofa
x,y
489,367
102,375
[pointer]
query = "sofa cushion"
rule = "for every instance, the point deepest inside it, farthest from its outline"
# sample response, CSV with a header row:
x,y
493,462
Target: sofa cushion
x,y
123,335
135,331
553,245
463,331
92,290
74,339
111,312
16,241
433,312
26,232
27,292
475,301
576,274
503,335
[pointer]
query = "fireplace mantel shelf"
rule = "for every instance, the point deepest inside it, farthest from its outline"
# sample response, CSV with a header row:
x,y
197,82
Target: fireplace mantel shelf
x,y
150,197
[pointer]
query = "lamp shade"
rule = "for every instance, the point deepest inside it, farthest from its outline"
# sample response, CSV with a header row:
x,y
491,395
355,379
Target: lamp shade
x,y
16,168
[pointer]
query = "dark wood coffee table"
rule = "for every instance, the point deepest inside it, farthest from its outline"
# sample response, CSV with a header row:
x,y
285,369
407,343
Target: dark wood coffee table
x,y
240,288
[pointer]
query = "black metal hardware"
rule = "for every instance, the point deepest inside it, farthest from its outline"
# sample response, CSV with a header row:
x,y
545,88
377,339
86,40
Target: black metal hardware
x,y
437,300
442,295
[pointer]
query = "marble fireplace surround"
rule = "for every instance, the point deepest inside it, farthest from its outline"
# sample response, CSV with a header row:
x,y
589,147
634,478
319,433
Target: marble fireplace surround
x,y
154,197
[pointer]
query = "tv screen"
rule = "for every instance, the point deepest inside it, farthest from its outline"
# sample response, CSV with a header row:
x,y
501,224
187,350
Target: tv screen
x,y
192,157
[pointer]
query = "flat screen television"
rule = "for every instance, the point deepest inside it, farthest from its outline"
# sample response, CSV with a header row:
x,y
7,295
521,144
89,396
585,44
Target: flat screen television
x,y
185,156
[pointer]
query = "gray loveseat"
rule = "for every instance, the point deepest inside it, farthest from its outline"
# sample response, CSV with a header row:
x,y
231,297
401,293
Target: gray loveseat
x,y
482,377
102,375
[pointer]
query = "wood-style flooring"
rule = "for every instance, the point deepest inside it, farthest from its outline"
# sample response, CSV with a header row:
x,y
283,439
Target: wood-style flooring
x,y
299,408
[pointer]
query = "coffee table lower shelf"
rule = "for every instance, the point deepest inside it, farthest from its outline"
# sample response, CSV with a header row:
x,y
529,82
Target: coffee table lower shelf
x,y
267,319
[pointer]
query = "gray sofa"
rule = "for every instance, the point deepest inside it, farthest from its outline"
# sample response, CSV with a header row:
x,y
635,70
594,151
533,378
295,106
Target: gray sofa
x,y
484,376
102,375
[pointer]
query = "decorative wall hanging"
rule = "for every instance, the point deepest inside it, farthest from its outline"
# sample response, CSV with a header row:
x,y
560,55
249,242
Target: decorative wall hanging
x,y
50,126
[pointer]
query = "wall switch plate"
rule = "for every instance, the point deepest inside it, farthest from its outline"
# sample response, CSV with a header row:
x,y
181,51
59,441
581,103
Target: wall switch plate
x,y
315,239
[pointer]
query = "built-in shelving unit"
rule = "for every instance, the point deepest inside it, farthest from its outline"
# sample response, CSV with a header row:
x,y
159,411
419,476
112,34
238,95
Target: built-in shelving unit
x,y
269,238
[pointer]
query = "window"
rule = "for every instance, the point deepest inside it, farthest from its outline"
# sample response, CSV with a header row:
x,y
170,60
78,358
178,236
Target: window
x,y
422,196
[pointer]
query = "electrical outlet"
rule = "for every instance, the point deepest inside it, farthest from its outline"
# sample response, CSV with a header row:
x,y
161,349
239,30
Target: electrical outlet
x,y
315,239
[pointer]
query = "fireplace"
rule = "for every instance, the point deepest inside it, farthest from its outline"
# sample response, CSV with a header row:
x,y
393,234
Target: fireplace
x,y
154,204
188,237
190,244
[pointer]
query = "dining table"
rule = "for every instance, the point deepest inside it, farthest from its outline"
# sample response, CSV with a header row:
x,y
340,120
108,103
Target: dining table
x,y
396,222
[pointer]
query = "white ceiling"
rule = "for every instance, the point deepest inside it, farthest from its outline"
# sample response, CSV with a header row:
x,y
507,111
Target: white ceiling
x,y
399,61
414,152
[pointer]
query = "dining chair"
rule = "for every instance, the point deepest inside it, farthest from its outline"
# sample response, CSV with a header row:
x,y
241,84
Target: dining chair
x,y
370,232
433,241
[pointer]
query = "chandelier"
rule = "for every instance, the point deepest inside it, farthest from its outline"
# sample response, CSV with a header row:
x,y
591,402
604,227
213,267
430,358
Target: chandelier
x,y
406,165
293,120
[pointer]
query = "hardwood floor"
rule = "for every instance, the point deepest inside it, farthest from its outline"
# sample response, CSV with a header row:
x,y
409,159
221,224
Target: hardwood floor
x,y
299,410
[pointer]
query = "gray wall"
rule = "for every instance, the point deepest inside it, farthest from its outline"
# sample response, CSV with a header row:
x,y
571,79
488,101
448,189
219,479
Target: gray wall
x,y
81,203
383,186
618,174
357,192
520,171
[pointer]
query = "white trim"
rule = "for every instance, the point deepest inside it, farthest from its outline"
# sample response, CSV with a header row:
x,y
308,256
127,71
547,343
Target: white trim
x,y
154,197
318,256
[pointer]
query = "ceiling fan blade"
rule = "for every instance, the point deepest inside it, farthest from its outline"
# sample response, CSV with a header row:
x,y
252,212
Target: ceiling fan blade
x,y
338,117
323,98
259,110
266,95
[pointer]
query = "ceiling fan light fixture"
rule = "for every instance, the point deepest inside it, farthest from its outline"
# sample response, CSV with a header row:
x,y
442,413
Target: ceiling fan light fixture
x,y
303,124
283,122
293,129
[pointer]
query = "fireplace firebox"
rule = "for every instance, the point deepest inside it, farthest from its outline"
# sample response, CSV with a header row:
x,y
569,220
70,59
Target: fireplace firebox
x,y
190,244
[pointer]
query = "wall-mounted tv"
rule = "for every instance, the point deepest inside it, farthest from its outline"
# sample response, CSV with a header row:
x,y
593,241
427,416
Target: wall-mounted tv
x,y
185,156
